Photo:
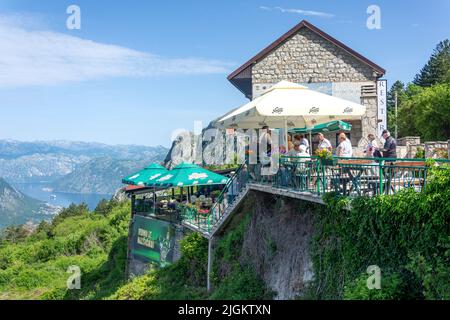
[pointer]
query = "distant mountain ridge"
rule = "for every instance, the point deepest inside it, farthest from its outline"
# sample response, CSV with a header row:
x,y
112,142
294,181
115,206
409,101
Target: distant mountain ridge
x,y
11,149
54,161
99,175
17,208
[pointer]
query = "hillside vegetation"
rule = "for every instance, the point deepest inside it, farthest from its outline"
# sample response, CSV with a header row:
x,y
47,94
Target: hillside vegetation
x,y
17,208
34,267
406,235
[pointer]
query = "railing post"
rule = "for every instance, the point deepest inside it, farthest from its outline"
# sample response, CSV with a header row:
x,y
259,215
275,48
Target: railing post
x,y
324,182
209,267
380,167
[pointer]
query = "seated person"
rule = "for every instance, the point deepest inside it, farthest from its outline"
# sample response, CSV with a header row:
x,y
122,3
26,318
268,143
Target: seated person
x,y
298,151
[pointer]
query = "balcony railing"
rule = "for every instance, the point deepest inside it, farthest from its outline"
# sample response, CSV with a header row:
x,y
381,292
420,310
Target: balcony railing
x,y
345,176
204,220
350,177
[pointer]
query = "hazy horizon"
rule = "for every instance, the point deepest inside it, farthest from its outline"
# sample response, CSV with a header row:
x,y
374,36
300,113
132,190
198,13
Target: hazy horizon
x,y
137,71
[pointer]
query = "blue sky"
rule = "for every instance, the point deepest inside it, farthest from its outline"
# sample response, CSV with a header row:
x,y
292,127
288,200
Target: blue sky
x,y
137,70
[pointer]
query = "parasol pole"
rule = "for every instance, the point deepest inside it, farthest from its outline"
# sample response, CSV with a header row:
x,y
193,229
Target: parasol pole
x,y
310,143
286,134
154,200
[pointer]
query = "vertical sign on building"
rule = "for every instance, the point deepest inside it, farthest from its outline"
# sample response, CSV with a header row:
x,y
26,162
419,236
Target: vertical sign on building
x,y
382,105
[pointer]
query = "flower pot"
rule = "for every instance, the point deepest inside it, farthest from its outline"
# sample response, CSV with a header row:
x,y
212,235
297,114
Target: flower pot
x,y
328,162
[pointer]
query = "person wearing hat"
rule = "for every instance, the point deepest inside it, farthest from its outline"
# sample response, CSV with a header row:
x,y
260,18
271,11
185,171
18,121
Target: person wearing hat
x,y
390,145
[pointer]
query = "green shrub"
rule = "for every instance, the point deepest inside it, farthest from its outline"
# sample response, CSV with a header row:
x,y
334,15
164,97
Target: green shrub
x,y
420,154
406,234
242,284
36,267
390,289
143,287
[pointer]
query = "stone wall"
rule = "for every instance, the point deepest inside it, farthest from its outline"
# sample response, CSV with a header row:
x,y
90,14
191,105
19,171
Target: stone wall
x,y
436,149
309,58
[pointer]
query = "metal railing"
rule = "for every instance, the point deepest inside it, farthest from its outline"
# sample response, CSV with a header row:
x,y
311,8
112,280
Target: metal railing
x,y
206,220
345,176
350,177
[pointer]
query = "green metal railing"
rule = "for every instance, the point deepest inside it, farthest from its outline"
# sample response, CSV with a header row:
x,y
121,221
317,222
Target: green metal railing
x,y
205,221
345,176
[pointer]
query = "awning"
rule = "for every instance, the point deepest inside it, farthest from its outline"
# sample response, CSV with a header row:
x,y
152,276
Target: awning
x,y
325,127
147,175
187,174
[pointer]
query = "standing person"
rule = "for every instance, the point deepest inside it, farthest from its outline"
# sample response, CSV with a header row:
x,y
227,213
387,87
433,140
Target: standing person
x,y
290,144
324,143
266,141
390,146
372,147
344,148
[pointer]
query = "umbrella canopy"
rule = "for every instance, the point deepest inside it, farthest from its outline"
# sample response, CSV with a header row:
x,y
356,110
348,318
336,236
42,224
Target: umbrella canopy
x,y
326,127
147,175
187,174
287,104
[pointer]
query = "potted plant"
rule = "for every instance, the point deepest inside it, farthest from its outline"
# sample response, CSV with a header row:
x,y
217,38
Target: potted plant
x,y
325,156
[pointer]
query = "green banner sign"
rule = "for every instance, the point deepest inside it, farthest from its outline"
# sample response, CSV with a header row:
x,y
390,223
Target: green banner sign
x,y
153,241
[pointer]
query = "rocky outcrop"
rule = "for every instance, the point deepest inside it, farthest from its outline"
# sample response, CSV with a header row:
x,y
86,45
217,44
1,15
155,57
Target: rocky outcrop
x,y
276,242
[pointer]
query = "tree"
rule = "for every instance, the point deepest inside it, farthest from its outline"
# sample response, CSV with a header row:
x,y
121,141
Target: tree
x,y
407,112
432,106
425,112
437,67
13,234
399,88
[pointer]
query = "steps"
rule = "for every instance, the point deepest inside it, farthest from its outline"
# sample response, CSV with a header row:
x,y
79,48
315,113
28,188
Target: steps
x,y
217,226
220,222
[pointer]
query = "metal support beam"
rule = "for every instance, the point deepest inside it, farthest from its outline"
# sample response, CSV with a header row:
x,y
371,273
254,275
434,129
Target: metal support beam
x,y
210,257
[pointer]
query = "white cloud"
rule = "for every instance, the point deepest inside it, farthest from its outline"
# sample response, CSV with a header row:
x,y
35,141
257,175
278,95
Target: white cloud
x,y
29,57
299,11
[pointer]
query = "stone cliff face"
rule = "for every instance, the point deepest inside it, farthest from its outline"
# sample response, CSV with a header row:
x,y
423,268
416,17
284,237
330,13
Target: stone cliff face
x,y
184,147
276,242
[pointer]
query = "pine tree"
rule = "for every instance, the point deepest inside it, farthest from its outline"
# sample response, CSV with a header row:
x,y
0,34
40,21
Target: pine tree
x,y
399,88
437,67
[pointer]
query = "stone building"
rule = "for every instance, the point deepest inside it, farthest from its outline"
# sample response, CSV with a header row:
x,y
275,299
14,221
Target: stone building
x,y
309,56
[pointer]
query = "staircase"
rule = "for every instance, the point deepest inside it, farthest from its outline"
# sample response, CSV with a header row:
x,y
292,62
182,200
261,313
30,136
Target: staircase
x,y
227,202
229,210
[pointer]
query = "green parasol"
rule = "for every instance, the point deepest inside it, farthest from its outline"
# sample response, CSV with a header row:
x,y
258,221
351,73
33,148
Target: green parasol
x,y
186,175
147,175
325,127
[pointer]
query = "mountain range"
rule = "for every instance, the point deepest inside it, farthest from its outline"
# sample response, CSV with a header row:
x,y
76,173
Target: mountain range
x,y
17,208
77,167
63,166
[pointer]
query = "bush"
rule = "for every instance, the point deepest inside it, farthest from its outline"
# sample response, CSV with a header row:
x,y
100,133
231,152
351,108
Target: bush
x,y
358,290
406,234
242,284
36,266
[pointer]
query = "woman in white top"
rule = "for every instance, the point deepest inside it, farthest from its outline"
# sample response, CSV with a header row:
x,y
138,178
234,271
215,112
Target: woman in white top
x,y
345,147
371,147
